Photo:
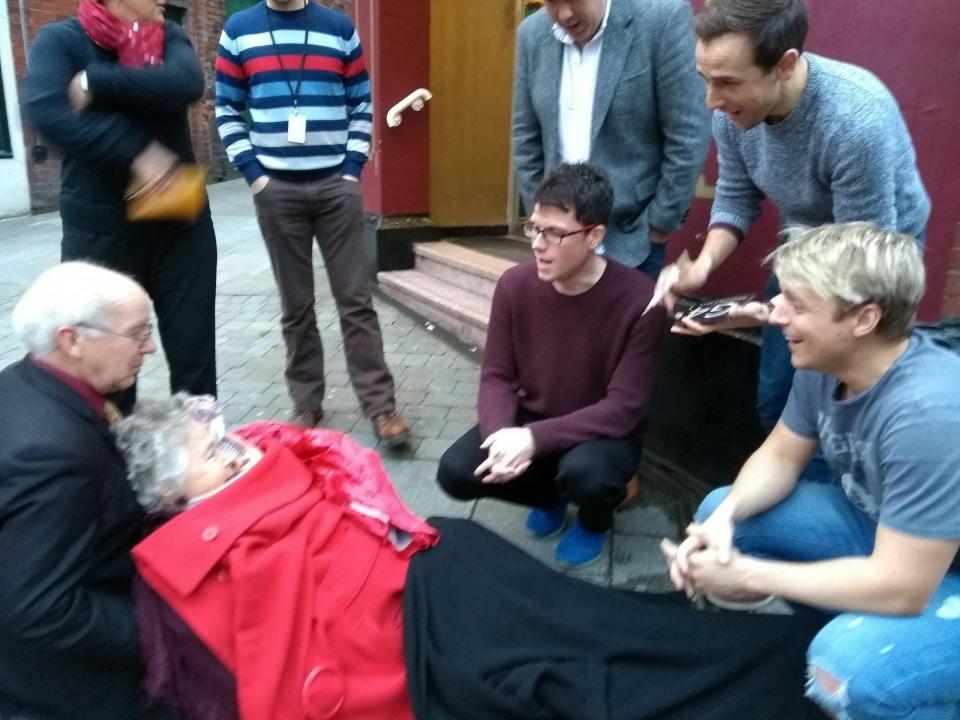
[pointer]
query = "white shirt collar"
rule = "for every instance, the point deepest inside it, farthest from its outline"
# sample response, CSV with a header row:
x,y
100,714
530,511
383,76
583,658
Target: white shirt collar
x,y
563,36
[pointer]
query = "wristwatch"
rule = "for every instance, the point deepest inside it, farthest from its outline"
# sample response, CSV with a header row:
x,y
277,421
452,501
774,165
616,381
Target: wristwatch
x,y
84,85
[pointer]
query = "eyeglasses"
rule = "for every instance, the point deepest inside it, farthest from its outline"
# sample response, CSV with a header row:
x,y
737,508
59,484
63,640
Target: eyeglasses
x,y
551,236
141,337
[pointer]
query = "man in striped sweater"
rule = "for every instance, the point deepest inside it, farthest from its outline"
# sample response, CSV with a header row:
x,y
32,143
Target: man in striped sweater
x,y
300,71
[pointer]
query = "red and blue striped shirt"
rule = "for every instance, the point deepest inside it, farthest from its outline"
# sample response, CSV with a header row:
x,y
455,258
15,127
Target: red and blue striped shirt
x,y
257,74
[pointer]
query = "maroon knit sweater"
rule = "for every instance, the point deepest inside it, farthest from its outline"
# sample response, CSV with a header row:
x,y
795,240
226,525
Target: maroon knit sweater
x,y
584,363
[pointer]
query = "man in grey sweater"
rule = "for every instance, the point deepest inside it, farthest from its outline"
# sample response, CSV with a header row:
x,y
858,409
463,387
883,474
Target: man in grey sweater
x,y
823,140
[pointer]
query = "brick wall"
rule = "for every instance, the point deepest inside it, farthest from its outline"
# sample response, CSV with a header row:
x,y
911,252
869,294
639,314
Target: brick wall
x,y
44,177
204,21
341,5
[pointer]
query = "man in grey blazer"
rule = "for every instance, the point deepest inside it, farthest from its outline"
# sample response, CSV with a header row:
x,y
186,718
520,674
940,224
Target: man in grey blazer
x,y
614,82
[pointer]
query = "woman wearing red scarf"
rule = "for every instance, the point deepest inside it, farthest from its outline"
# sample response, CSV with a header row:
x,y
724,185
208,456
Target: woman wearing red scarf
x,y
111,88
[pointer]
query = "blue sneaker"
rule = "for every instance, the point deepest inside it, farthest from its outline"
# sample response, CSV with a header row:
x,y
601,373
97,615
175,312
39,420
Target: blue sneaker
x,y
546,522
580,547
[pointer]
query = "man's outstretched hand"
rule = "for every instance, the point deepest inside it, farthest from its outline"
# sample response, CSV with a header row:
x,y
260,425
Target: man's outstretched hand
x,y
509,453
751,314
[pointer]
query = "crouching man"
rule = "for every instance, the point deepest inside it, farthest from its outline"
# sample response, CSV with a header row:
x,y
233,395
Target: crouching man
x,y
879,545
567,372
68,637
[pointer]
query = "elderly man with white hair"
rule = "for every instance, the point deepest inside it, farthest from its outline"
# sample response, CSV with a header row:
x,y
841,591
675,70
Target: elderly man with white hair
x,y
68,518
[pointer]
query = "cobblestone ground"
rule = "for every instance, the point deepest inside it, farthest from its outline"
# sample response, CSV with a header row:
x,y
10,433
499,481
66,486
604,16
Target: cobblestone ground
x,y
436,384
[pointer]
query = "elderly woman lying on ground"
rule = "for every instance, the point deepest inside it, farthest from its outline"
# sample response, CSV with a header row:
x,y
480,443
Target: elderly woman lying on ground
x,y
287,580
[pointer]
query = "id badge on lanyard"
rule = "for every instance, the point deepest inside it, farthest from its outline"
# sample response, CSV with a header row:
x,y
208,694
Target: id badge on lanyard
x,y
297,128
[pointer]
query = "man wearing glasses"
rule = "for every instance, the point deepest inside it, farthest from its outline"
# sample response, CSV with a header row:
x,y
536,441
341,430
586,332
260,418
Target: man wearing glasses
x,y
68,517
613,82
567,373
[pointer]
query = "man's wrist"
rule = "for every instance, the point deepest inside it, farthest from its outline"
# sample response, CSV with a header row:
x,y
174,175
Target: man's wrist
x,y
725,511
659,236
752,576
530,439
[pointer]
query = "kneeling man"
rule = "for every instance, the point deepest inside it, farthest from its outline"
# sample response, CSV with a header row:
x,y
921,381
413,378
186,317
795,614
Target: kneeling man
x,y
879,545
567,372
68,518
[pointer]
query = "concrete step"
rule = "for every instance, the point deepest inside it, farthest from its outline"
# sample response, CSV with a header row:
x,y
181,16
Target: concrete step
x,y
460,266
453,308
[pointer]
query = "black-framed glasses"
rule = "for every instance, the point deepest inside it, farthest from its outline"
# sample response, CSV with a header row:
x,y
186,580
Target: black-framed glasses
x,y
551,236
141,337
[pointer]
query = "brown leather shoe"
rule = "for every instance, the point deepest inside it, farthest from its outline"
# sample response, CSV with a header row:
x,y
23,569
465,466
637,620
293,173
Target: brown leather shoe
x,y
633,491
305,418
391,428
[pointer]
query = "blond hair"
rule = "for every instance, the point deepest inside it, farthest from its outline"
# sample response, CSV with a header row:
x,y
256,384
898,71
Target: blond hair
x,y
853,264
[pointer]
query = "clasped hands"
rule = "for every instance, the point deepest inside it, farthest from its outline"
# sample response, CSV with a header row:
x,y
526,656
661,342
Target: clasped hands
x,y
706,561
509,453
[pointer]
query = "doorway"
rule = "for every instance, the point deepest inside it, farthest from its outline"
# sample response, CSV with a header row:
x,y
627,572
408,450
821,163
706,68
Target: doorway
x,y
471,77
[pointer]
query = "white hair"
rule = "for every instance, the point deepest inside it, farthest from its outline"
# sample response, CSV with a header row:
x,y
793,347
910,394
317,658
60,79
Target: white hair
x,y
153,440
72,293
856,263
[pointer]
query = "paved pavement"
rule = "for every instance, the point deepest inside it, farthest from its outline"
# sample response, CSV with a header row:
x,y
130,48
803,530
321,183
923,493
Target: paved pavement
x,y
436,384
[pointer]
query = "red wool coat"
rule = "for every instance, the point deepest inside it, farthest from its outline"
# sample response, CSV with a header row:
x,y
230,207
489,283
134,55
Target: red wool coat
x,y
299,595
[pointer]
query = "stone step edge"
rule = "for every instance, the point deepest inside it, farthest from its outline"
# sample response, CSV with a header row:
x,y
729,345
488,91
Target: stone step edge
x,y
448,300
461,258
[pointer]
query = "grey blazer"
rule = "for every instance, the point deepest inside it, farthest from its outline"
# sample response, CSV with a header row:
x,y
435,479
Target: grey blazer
x,y
650,128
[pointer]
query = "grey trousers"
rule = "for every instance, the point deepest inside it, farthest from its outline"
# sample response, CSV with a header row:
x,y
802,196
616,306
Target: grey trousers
x,y
291,215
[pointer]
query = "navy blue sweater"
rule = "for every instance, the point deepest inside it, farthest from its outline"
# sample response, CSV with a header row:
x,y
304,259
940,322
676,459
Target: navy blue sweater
x,y
131,107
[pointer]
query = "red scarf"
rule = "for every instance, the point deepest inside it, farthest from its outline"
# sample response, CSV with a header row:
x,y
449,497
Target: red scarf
x,y
137,43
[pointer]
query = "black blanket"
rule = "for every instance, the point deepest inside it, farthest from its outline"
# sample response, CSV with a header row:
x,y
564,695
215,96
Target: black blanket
x,y
492,634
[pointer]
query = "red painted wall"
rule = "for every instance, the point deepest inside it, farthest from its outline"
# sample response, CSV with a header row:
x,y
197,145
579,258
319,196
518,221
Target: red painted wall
x,y
396,39
912,48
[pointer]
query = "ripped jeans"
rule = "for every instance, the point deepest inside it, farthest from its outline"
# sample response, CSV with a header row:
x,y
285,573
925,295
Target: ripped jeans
x,y
862,666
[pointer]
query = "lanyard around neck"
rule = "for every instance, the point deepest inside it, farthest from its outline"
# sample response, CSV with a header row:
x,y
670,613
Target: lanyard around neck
x,y
294,92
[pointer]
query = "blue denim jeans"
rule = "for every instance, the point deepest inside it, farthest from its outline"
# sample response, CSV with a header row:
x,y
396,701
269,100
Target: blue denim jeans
x,y
655,260
883,666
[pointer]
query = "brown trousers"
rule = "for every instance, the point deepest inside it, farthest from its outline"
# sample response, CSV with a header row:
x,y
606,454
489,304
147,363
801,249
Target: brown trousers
x,y
291,215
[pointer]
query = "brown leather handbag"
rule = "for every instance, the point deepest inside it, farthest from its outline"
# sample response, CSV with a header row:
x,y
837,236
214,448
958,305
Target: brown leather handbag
x,y
181,197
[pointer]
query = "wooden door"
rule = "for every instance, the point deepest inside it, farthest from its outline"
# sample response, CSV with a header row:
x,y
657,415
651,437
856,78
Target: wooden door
x,y
471,78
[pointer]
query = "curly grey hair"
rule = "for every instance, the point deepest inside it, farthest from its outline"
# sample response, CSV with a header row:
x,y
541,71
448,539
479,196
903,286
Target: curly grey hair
x,y
154,442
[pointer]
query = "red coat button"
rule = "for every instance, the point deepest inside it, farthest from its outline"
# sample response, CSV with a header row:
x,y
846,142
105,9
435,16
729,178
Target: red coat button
x,y
323,693
210,534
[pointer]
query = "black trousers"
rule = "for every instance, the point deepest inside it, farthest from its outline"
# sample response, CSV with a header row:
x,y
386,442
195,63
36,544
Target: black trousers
x,y
177,266
593,475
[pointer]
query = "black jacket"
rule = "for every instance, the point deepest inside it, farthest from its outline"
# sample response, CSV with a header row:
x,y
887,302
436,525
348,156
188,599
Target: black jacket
x,y
131,107
68,519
